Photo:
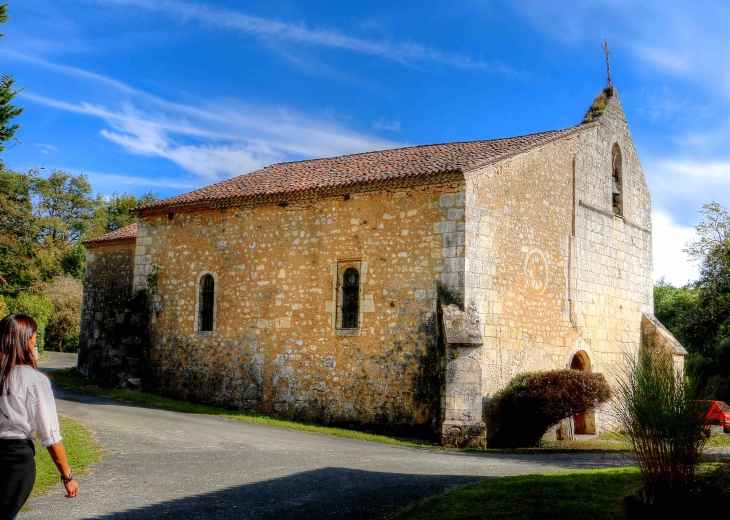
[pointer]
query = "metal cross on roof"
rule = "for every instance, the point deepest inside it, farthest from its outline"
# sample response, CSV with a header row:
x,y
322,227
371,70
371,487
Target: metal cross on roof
x,y
609,83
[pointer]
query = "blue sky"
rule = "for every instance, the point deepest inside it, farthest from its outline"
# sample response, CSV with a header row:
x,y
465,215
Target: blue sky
x,y
168,95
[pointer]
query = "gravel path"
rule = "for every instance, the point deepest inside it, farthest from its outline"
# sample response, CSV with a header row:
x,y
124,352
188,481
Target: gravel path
x,y
164,464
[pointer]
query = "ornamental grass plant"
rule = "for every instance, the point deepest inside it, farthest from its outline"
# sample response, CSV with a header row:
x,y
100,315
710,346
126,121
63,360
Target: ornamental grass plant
x,y
661,411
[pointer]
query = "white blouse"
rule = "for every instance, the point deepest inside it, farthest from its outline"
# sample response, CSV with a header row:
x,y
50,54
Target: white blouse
x,y
29,406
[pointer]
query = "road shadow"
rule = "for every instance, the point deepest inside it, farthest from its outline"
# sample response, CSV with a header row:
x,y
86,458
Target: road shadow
x,y
327,493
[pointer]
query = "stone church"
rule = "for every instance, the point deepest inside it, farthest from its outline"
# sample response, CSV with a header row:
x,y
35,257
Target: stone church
x,y
396,289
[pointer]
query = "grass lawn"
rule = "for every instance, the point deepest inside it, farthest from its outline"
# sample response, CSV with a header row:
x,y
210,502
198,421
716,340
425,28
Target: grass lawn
x,y
716,441
81,449
719,440
70,380
591,494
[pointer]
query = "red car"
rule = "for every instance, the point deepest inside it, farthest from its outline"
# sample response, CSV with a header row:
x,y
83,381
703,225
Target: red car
x,y
719,413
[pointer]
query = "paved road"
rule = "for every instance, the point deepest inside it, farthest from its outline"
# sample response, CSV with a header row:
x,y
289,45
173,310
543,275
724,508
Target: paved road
x,y
165,464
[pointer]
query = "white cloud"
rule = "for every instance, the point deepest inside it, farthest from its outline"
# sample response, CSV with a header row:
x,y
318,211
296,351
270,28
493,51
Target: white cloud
x,y
218,140
384,124
403,52
681,186
712,169
669,239
669,36
46,148
664,59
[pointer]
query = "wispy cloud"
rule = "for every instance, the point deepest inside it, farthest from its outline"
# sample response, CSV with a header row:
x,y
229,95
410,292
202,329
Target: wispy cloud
x,y
719,170
218,139
384,124
46,148
667,36
681,186
404,52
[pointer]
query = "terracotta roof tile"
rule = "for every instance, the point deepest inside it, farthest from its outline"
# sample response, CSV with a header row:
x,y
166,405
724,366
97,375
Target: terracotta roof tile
x,y
363,168
123,235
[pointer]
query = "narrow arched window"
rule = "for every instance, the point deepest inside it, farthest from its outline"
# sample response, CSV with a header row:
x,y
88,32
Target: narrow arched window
x,y
350,299
206,300
617,181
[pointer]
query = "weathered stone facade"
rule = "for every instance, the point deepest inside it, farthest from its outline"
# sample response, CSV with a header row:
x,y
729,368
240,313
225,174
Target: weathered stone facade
x,y
113,321
275,346
466,278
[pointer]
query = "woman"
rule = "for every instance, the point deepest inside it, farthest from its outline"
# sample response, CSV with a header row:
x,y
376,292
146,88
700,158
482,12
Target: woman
x,y
26,405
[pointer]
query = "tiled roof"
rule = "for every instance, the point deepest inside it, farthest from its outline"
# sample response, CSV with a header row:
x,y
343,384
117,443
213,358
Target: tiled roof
x,y
364,168
123,235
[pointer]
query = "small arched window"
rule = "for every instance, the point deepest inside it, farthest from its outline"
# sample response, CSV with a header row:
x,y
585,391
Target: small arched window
x,y
617,180
206,300
350,299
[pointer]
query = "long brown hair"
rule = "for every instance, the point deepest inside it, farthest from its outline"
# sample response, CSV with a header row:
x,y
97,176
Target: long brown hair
x,y
15,333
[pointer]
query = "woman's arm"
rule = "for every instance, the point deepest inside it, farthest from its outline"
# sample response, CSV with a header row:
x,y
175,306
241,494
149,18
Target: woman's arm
x,y
58,455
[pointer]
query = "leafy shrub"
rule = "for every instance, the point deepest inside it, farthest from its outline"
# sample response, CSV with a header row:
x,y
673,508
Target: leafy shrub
x,y
71,343
3,307
73,261
37,306
65,293
533,402
663,416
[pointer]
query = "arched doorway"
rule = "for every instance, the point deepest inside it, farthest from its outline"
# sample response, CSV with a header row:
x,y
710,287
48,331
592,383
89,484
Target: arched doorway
x,y
583,423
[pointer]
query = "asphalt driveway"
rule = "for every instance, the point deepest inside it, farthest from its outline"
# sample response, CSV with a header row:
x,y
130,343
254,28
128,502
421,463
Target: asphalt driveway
x,y
164,464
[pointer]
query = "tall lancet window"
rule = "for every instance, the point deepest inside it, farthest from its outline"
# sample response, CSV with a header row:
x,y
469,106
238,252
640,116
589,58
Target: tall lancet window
x,y
205,303
617,180
350,299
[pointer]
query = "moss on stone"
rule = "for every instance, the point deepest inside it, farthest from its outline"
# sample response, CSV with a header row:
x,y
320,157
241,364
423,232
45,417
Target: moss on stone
x,y
598,106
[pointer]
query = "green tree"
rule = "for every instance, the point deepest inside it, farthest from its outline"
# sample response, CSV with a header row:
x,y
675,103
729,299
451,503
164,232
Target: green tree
x,y
119,209
42,221
710,321
13,189
73,261
8,111
674,307
64,208
18,229
698,314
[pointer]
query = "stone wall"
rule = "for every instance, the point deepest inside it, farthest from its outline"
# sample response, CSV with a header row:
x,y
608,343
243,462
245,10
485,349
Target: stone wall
x,y
550,269
113,321
275,346
518,224
611,277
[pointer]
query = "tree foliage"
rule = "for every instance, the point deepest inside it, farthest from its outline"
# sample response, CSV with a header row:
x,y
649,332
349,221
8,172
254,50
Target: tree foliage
x,y
534,401
698,314
37,306
43,221
119,209
8,92
18,241
64,208
65,295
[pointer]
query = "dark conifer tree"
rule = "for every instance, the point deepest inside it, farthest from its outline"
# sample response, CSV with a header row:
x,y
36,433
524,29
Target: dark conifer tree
x,y
8,111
